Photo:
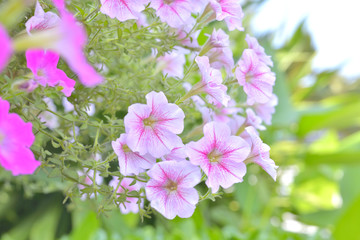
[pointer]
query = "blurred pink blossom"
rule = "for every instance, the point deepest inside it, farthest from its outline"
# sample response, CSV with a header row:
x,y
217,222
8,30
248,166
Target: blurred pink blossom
x,y
6,48
41,20
16,137
123,9
259,50
230,11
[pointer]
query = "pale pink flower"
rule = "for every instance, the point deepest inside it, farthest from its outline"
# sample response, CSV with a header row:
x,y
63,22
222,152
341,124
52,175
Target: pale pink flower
x,y
27,85
16,137
266,110
6,48
220,54
260,152
230,11
131,162
68,106
41,20
182,32
211,82
219,155
177,154
253,120
43,65
172,64
123,9
88,177
259,50
152,127
173,12
131,203
256,78
170,189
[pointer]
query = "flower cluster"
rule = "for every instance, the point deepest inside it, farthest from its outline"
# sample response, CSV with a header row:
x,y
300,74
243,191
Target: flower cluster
x,y
158,157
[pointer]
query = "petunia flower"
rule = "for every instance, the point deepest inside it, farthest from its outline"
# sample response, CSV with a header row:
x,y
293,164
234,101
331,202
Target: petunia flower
x,y
259,152
211,83
170,189
172,64
41,20
259,50
177,154
173,12
256,78
6,48
131,203
123,9
153,127
43,65
230,11
219,155
16,137
131,162
219,53
267,109
253,120
88,179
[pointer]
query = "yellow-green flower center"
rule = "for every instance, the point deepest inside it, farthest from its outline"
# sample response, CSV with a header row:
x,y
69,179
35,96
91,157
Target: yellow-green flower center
x,y
168,1
150,121
171,186
214,156
126,148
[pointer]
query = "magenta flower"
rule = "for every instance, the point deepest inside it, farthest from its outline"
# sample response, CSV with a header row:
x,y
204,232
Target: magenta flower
x,y
172,64
88,179
123,9
256,78
173,12
171,188
259,50
266,110
230,11
259,152
41,20
152,127
6,48
220,54
131,162
211,82
16,137
219,155
131,203
43,64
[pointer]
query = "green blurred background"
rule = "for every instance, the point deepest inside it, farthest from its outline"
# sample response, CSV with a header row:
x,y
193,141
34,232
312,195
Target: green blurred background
x,y
314,139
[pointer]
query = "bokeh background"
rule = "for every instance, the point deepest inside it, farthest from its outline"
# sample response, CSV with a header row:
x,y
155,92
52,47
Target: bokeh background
x,y
314,139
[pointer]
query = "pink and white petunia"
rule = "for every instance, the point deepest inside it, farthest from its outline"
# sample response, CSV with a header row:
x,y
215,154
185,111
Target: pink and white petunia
x,y
170,189
255,77
253,120
123,9
219,155
230,11
177,154
43,65
220,54
173,12
153,127
16,137
88,179
266,110
41,20
131,162
131,203
172,64
259,50
260,152
211,82
6,48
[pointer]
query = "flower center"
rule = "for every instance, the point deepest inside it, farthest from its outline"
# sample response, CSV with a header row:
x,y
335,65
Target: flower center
x,y
168,1
2,137
150,121
171,186
214,156
248,77
126,148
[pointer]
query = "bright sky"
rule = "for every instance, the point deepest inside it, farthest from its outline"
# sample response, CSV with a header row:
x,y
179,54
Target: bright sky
x,y
333,24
